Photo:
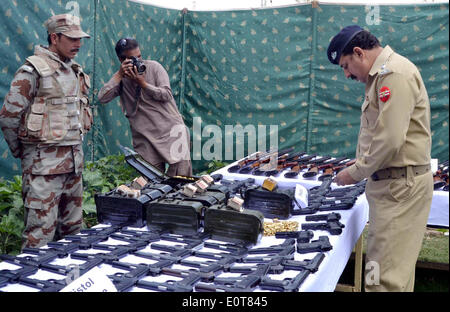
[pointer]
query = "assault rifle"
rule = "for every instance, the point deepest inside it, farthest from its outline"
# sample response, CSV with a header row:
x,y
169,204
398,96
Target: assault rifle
x,y
289,162
330,172
283,161
264,160
303,163
250,159
315,168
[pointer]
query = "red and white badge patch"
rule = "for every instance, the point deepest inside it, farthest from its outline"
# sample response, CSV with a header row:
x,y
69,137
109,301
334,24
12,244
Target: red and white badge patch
x,y
384,94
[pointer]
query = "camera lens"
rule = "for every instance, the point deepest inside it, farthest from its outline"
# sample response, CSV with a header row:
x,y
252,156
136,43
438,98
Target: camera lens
x,y
141,68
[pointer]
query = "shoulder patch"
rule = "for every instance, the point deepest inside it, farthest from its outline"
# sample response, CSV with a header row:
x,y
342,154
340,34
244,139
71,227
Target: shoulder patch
x,y
384,94
27,68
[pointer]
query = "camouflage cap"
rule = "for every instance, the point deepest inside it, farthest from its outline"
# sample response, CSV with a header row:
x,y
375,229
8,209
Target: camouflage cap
x,y
66,24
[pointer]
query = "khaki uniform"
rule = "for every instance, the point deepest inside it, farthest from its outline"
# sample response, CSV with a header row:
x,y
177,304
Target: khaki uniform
x,y
153,114
44,117
395,135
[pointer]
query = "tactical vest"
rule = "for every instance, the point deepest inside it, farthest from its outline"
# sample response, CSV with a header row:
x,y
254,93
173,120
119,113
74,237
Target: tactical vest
x,y
55,117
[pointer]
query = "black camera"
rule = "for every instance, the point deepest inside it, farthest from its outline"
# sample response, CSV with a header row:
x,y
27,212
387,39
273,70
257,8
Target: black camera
x,y
138,63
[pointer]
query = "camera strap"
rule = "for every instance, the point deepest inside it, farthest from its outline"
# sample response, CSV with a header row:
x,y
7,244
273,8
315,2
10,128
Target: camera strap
x,y
135,104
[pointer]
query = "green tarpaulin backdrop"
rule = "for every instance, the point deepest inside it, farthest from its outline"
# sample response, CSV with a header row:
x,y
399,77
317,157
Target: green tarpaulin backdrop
x,y
259,69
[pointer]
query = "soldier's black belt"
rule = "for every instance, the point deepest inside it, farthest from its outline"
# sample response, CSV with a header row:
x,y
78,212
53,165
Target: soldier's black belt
x,y
399,172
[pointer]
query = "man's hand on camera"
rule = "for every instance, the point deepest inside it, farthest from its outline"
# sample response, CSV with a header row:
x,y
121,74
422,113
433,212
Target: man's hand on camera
x,y
126,66
135,76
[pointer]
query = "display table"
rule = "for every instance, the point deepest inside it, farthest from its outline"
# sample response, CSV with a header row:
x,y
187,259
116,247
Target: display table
x,y
439,210
439,213
324,280
354,219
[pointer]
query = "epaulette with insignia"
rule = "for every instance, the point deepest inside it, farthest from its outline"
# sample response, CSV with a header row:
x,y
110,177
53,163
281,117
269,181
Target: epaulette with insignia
x,y
384,70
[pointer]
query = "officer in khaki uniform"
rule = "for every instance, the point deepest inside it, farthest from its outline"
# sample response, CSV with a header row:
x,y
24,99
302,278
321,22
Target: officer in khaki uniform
x,y
393,153
44,117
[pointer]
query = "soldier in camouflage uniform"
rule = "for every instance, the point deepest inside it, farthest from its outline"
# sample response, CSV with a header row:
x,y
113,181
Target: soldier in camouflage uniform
x,y
43,118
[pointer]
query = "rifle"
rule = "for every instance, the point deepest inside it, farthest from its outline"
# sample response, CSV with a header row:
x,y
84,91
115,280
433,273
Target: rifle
x,y
282,161
330,172
315,168
264,160
249,159
281,167
301,164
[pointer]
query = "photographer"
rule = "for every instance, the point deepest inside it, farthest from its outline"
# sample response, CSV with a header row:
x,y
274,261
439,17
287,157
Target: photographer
x,y
158,131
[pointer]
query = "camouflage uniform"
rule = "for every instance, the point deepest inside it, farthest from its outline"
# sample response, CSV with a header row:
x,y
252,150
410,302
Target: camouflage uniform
x,y
43,118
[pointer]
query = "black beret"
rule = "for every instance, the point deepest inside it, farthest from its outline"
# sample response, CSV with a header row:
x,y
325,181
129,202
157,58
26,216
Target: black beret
x,y
339,42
